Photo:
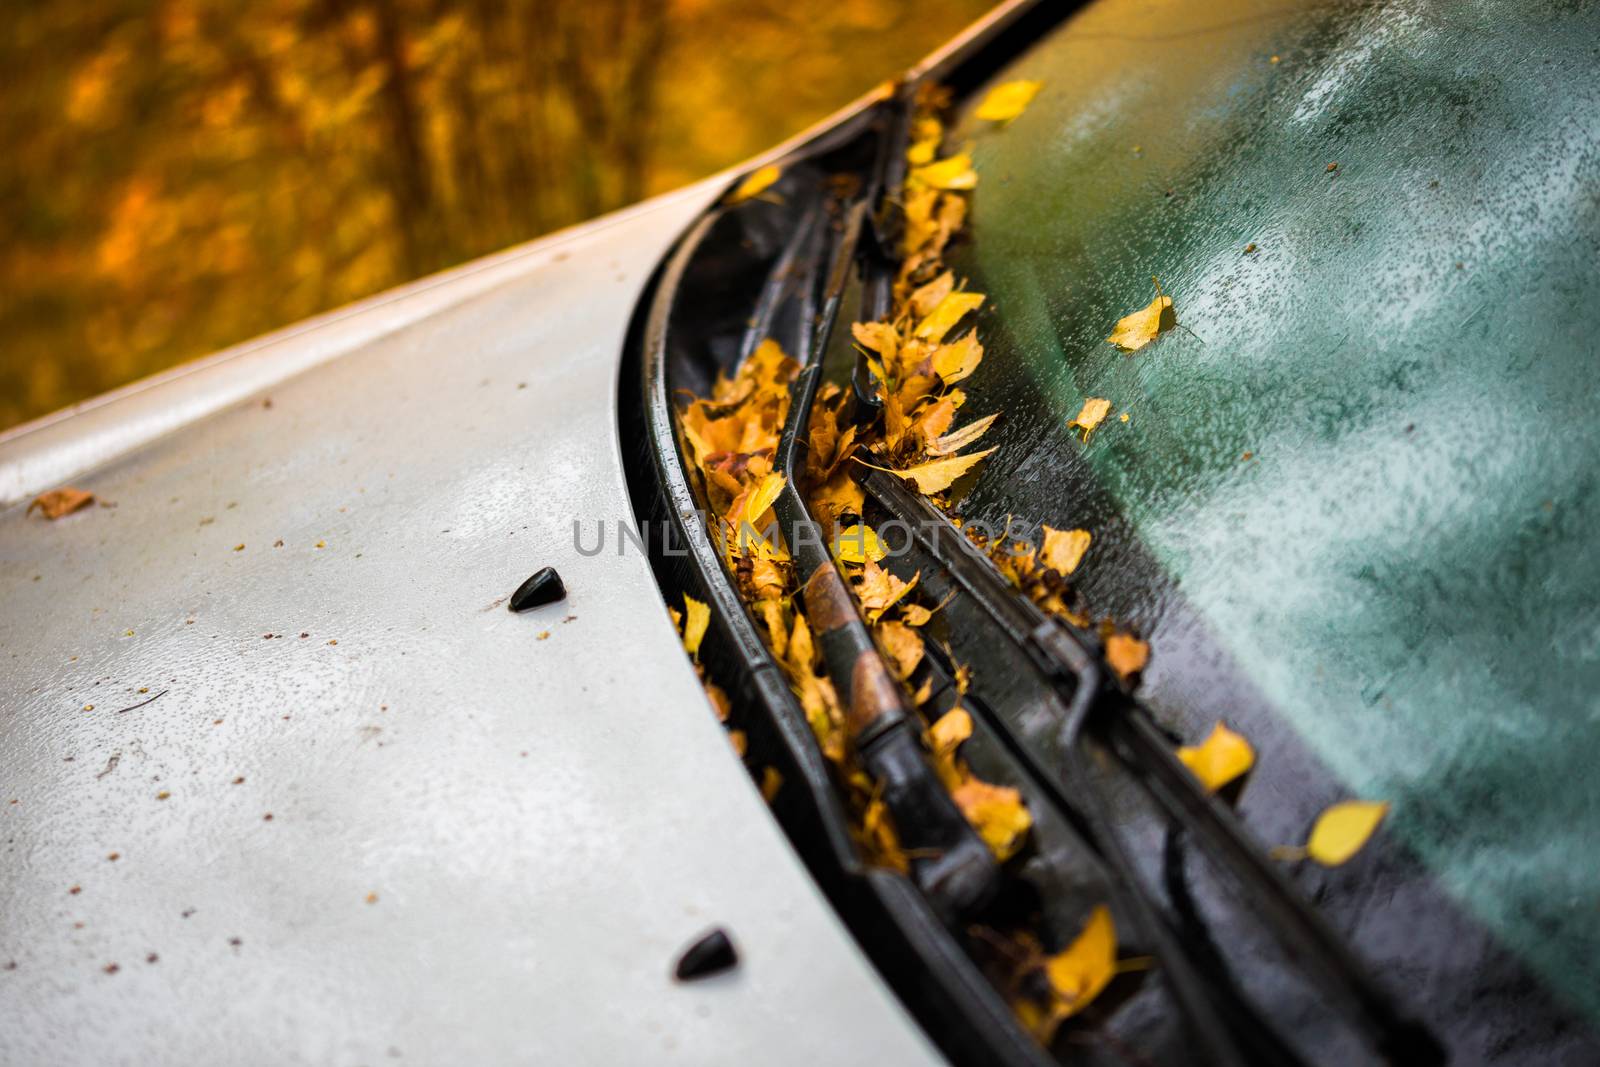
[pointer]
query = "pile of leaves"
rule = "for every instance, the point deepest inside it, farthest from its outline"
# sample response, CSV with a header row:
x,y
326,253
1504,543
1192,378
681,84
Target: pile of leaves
x,y
919,356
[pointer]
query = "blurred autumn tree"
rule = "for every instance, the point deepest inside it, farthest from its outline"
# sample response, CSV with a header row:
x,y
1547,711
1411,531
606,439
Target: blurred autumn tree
x,y
182,175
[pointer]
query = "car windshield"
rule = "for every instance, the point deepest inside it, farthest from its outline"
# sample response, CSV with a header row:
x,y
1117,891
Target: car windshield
x,y
1351,496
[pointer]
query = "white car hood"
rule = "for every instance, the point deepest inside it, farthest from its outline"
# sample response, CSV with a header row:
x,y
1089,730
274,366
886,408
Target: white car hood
x,y
484,846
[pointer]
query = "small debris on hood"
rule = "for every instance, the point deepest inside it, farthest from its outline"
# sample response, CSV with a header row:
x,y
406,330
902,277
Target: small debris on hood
x,y
59,502
712,954
544,587
142,703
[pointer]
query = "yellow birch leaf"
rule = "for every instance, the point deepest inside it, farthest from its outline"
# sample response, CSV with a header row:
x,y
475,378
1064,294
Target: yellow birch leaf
x,y
879,590
1219,759
1126,654
938,475
697,616
958,359
1135,331
879,337
1085,967
1094,411
926,297
857,544
954,442
761,498
952,728
1063,549
996,812
1005,102
902,647
946,314
1341,831
758,182
771,613
953,172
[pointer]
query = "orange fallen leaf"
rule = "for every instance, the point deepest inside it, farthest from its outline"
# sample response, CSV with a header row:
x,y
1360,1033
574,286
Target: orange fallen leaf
x,y
879,590
955,361
946,314
1219,759
1126,654
59,502
1084,968
758,182
1063,549
1093,412
938,475
926,297
697,616
879,337
951,728
902,647
1006,101
996,812
771,782
1135,331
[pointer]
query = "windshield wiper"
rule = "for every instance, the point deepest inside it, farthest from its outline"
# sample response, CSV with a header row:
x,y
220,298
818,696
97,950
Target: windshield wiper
x,y
1093,706
949,861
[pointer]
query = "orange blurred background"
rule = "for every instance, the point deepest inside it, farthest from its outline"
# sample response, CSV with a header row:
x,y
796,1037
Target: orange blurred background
x,y
180,175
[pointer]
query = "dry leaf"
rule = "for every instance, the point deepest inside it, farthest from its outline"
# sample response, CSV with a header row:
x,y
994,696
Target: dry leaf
x,y
878,590
1126,654
1005,102
59,502
953,172
938,475
879,337
1219,759
927,297
1094,410
958,359
757,183
902,647
771,782
949,311
1135,331
857,544
697,616
996,812
1341,831
1063,549
952,728
1078,973
954,442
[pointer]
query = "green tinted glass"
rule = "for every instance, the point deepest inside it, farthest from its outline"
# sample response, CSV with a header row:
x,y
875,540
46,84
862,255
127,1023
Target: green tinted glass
x,y
1367,457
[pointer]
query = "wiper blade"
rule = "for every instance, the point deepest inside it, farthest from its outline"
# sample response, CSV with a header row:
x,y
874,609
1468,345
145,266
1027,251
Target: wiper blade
x,y
1092,703
949,861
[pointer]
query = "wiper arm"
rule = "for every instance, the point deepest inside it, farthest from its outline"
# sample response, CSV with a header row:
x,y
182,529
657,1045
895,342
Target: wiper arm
x,y
1092,703
949,861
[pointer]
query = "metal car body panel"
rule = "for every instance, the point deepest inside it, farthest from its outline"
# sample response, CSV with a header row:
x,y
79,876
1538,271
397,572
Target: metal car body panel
x,y
490,834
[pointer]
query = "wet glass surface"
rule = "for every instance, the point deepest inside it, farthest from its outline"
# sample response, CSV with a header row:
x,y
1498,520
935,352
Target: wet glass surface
x,y
1354,503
